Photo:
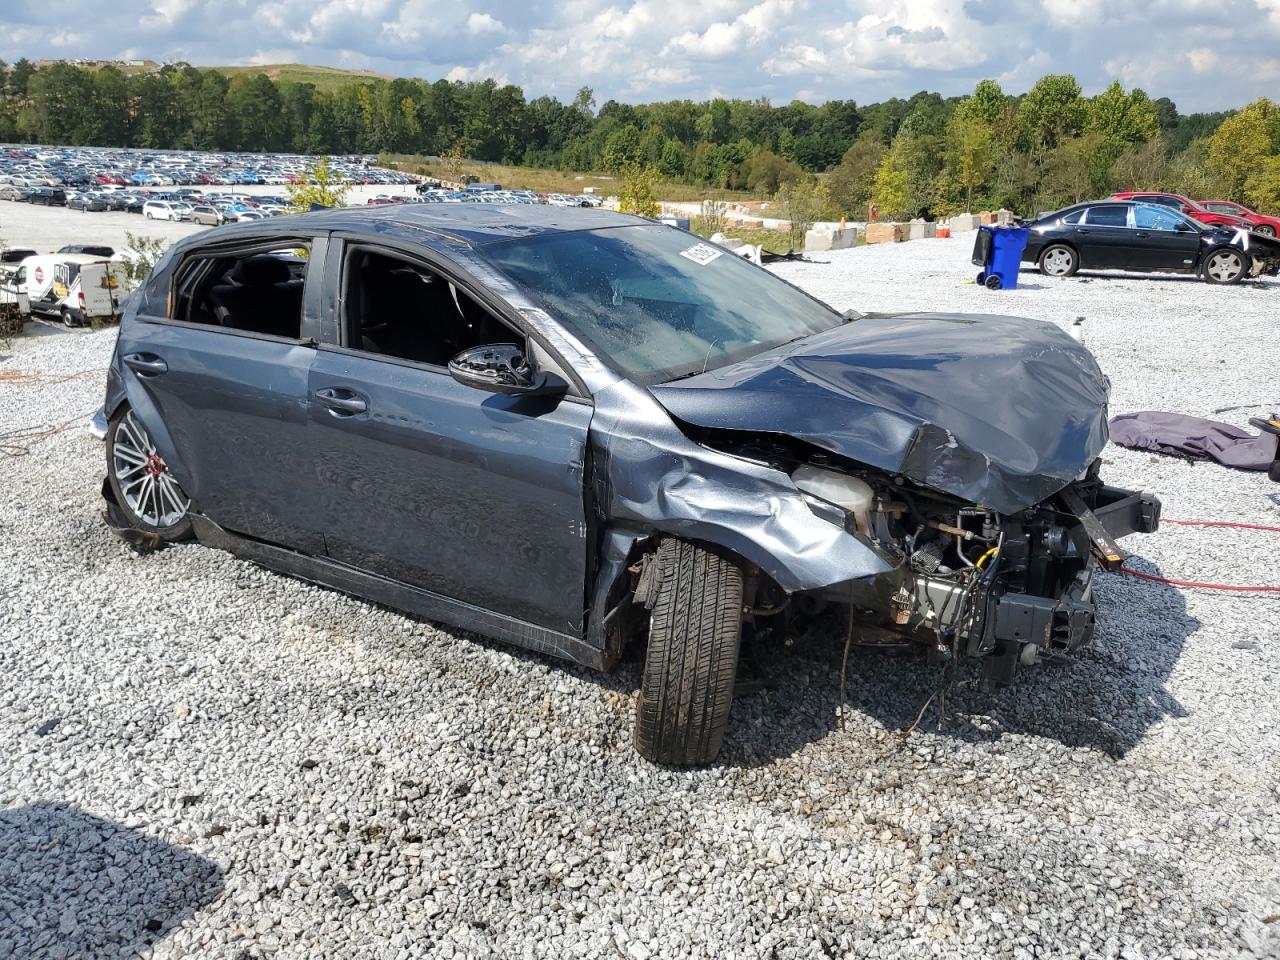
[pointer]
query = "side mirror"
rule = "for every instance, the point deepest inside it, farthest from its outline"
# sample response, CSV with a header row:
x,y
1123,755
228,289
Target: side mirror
x,y
503,368
1182,227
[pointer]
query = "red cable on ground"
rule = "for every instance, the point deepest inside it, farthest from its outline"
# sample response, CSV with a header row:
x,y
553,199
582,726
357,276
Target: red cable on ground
x,y
1202,586
1207,586
1221,523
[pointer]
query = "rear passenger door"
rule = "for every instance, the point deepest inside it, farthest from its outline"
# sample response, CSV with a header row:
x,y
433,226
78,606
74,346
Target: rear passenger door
x,y
223,368
1105,237
470,495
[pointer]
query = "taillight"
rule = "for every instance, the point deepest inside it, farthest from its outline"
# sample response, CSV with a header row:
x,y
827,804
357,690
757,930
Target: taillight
x,y
80,295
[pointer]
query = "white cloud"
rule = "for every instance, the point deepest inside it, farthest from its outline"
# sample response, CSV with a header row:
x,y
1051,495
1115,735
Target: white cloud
x,y
165,12
1202,59
724,38
1074,13
483,23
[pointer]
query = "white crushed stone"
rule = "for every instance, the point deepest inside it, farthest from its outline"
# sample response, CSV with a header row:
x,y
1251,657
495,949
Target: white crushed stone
x,y
246,766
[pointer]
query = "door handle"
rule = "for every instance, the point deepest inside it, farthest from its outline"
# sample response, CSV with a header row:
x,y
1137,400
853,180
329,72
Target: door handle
x,y
147,364
1142,233
1081,230
341,401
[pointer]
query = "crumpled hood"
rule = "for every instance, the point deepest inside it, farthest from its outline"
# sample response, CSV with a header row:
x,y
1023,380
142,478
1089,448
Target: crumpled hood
x,y
999,411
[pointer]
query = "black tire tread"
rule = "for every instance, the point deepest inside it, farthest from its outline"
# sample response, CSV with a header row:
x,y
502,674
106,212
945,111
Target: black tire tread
x,y
692,660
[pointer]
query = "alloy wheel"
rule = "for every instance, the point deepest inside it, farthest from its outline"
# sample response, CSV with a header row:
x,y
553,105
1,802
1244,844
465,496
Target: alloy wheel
x,y
1058,262
1266,229
146,484
1224,266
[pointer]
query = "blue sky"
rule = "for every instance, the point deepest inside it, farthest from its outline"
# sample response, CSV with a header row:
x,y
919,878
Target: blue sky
x,y
1204,54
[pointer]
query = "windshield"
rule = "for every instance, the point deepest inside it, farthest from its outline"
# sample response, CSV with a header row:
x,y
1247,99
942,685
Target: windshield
x,y
657,302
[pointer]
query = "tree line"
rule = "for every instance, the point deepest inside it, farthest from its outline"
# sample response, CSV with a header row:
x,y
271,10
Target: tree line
x,y
924,155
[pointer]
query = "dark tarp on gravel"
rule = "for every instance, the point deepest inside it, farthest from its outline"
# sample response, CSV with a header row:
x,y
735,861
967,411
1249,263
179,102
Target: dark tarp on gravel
x,y
1196,439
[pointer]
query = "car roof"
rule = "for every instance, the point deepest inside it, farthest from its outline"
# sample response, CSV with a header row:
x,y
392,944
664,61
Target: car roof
x,y
441,225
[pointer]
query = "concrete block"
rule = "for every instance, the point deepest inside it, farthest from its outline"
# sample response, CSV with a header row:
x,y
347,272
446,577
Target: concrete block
x,y
921,230
830,238
986,218
884,233
729,243
962,222
1004,217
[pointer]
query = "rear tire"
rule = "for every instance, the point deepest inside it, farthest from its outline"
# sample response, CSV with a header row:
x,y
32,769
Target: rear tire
x,y
147,494
1266,230
1059,260
692,660
68,319
1224,265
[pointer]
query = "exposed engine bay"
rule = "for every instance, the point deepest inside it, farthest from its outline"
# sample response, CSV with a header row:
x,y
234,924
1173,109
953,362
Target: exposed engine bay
x,y
966,580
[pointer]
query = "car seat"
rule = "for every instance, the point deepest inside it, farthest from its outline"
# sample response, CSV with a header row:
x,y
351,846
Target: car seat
x,y
259,294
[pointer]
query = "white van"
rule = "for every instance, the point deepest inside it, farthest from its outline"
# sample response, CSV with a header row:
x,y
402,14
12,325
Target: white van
x,y
166,210
74,287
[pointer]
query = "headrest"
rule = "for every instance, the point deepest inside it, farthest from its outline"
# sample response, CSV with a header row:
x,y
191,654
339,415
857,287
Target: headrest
x,y
260,271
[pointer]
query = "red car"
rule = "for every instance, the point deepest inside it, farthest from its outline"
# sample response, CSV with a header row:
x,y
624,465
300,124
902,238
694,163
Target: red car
x,y
1263,224
1189,207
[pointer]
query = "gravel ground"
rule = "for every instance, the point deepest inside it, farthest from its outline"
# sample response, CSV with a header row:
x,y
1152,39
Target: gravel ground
x,y
207,760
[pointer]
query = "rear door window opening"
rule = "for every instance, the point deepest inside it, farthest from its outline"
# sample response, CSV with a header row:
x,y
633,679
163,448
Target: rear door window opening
x,y
257,289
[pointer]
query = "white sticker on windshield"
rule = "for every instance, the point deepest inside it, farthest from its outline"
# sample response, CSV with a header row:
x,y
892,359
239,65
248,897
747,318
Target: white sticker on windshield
x,y
701,253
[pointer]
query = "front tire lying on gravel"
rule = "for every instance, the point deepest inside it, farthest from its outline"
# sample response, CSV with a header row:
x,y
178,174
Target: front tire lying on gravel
x,y
147,493
1224,265
692,660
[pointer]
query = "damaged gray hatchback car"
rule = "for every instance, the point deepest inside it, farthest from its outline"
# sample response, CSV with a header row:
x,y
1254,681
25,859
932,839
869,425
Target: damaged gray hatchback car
x,y
572,429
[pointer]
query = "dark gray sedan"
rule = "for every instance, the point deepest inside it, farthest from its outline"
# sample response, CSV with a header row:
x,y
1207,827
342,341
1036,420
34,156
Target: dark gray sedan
x,y
574,430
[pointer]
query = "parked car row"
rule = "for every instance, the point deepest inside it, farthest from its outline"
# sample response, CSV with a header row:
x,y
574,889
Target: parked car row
x,y
36,166
1139,233
498,195
186,203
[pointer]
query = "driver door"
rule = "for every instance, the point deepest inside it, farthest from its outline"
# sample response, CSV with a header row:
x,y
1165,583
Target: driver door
x,y
470,495
1163,239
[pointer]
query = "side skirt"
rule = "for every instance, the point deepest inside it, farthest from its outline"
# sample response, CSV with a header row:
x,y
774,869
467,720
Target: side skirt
x,y
392,593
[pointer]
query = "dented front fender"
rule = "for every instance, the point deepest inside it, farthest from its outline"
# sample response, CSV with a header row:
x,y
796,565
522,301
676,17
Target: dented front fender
x,y
651,476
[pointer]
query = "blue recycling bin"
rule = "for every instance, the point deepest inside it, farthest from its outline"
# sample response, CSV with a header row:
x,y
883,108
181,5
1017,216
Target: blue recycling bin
x,y
998,251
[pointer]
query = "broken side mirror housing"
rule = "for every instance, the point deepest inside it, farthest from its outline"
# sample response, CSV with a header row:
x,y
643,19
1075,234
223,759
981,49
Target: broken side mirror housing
x,y
503,368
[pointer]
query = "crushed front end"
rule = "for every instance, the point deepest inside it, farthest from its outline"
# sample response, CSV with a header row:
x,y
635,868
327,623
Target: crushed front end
x,y
968,581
